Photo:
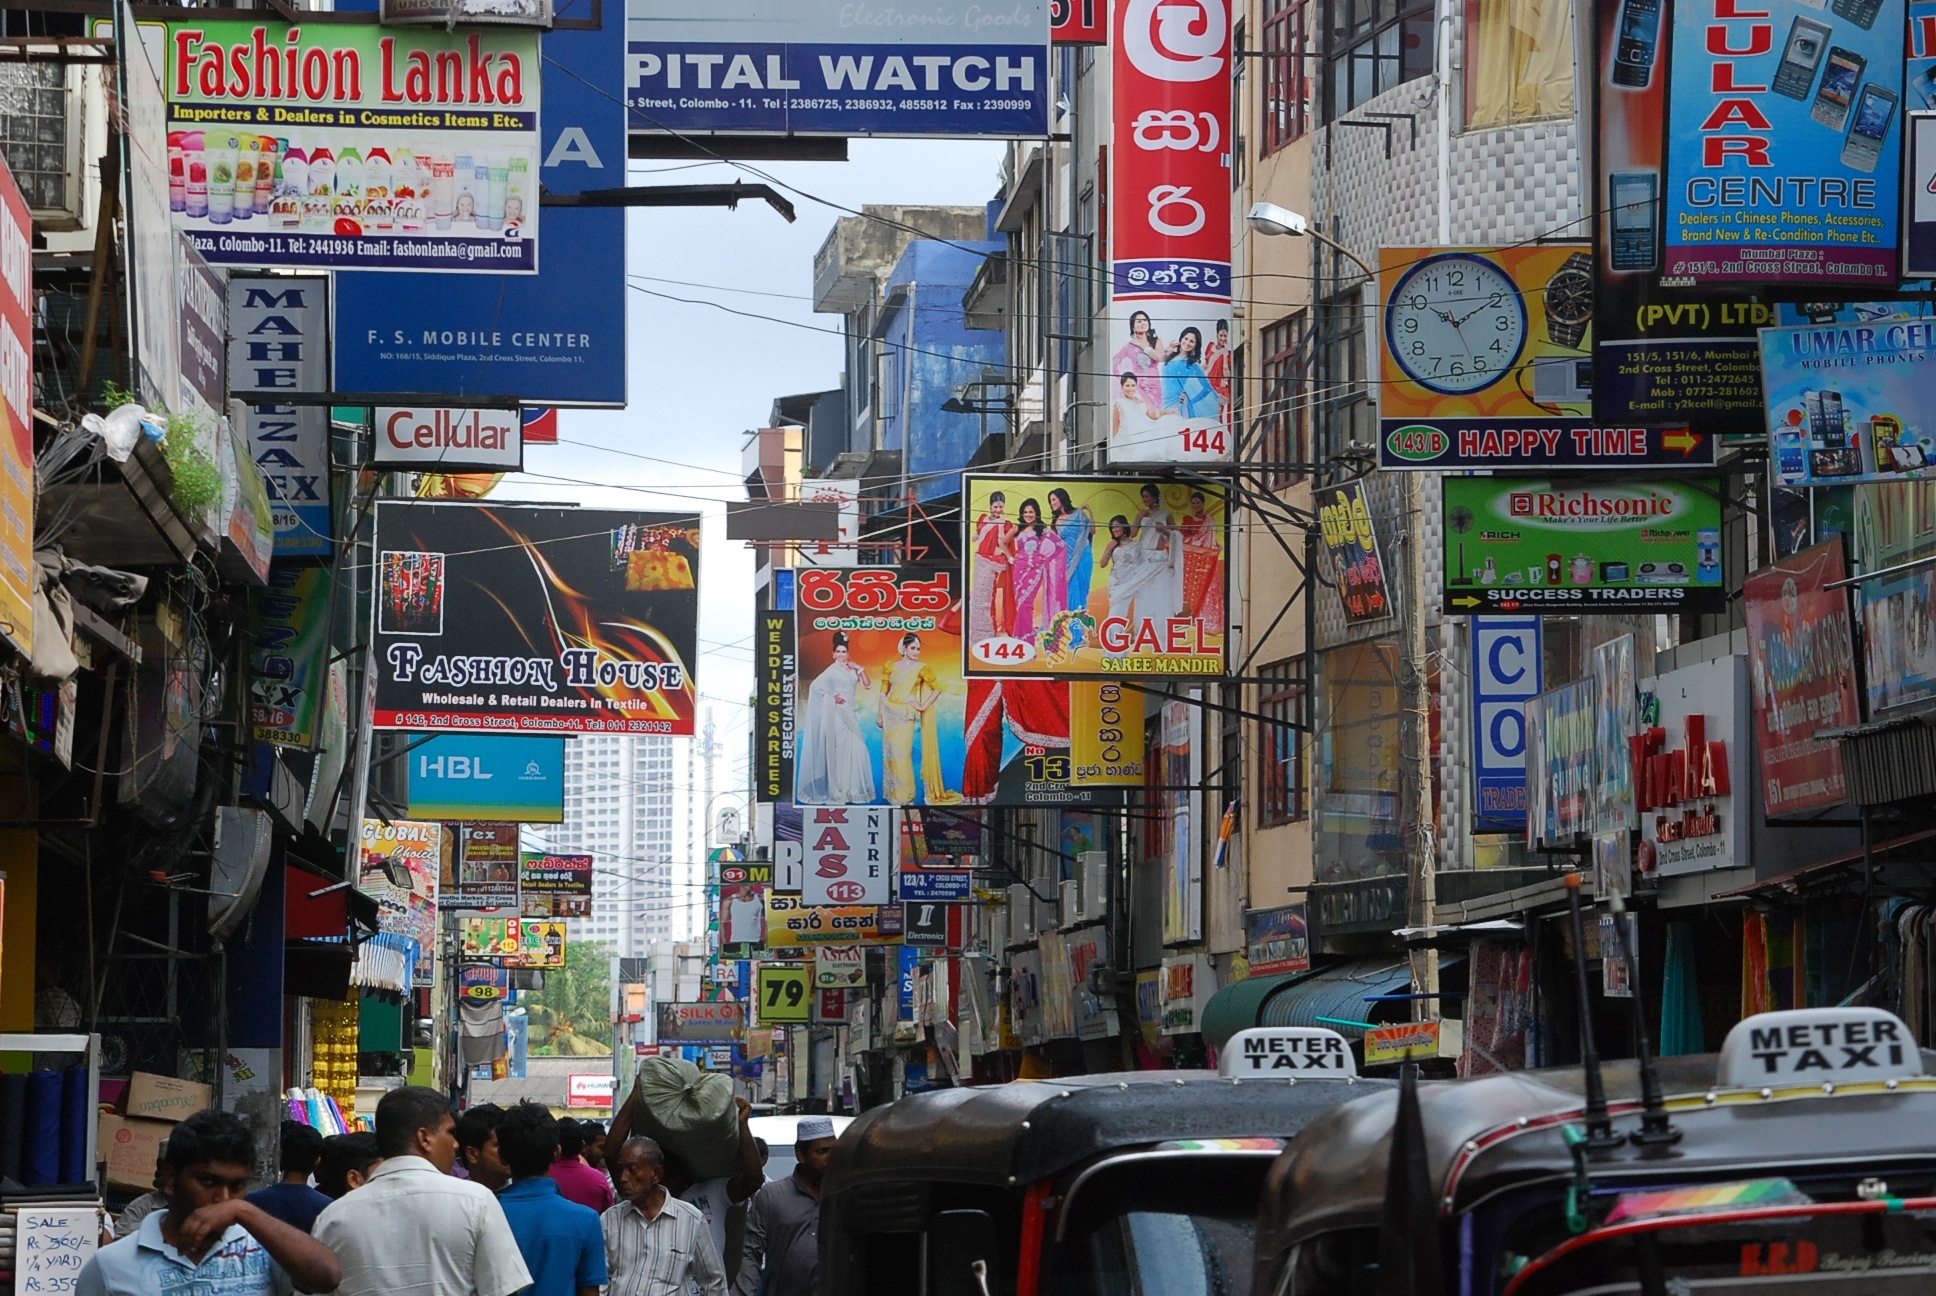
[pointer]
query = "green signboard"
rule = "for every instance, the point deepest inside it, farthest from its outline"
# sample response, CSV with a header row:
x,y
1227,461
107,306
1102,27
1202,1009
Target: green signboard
x,y
1534,545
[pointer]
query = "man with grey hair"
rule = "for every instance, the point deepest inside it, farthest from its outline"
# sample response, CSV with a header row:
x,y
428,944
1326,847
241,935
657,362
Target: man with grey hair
x,y
656,1244
783,1226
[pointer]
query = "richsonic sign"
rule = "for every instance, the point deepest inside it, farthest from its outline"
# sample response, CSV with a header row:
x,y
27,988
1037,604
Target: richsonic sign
x,y
353,146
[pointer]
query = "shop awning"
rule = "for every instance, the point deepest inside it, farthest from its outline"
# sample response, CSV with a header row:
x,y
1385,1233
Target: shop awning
x,y
1335,998
1848,868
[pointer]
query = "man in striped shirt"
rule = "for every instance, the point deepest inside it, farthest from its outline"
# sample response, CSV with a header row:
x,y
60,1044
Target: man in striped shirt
x,y
656,1244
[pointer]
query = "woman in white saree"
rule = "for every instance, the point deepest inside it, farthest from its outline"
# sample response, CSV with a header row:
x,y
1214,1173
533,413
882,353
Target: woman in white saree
x,y
834,765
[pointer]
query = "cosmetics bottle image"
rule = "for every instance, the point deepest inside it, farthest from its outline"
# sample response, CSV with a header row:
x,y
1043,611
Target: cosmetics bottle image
x,y
221,179
177,173
319,199
349,183
379,202
194,174
464,211
442,191
497,178
266,171
517,192
248,152
293,176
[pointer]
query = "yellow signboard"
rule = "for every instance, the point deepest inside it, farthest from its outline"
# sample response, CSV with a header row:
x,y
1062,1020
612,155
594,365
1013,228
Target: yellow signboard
x,y
786,994
1389,1044
791,925
1105,734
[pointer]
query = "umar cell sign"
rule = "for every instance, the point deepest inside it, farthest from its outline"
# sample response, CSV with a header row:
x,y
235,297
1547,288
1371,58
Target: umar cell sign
x,y
535,620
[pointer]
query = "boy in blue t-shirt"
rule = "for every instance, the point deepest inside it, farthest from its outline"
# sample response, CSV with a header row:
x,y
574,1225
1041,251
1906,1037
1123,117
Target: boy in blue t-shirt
x,y
562,1242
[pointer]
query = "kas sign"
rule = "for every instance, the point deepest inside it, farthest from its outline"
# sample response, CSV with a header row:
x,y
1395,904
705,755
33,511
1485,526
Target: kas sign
x,y
850,855
1505,676
446,439
494,778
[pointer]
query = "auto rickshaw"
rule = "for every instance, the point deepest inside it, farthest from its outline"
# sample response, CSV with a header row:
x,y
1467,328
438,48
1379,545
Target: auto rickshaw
x,y
1799,1160
1088,1186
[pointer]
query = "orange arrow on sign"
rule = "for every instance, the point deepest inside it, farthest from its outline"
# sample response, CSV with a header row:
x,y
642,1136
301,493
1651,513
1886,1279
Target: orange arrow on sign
x,y
1682,440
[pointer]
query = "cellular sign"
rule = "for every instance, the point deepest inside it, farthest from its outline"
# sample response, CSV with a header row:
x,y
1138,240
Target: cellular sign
x,y
1169,321
850,855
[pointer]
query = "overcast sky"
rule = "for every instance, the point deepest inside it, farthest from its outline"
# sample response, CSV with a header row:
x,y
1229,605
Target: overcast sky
x,y
700,377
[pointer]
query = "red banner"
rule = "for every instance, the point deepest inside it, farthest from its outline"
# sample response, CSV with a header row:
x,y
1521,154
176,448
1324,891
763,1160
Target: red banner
x,y
1802,652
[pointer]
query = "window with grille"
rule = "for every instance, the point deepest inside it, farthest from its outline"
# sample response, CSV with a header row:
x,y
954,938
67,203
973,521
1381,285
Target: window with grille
x,y
1284,403
1342,398
1280,749
1289,54
33,133
1375,46
1068,294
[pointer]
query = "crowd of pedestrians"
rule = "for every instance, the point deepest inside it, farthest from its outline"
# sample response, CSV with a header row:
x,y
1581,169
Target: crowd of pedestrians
x,y
493,1203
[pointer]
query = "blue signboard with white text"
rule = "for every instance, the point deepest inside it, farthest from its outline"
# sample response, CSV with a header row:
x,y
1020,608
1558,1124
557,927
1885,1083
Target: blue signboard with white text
x,y
1505,675
489,778
554,338
1784,142
957,69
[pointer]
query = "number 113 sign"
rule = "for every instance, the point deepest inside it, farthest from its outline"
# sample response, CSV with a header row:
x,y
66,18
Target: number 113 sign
x,y
851,854
1169,319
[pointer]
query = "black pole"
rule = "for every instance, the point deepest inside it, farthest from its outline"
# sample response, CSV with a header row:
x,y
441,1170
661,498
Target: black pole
x,y
1599,1124
1656,1132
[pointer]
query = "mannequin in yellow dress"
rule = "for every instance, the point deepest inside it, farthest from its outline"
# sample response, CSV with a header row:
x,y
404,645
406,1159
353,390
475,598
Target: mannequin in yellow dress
x,y
909,691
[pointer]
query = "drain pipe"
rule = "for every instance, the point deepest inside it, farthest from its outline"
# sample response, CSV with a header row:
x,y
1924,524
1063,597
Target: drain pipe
x,y
1448,14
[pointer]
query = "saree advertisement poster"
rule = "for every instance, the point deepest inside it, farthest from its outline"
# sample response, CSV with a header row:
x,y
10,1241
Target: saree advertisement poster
x,y
347,146
398,865
522,618
1169,236
1087,577
883,710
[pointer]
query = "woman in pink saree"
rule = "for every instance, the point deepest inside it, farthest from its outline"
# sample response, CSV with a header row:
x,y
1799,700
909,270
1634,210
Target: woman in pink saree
x,y
1039,573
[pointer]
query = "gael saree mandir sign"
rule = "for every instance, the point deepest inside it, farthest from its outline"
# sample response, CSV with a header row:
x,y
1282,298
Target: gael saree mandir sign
x,y
353,146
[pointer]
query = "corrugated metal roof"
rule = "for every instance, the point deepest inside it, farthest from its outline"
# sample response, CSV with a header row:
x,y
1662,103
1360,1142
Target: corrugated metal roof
x,y
1336,997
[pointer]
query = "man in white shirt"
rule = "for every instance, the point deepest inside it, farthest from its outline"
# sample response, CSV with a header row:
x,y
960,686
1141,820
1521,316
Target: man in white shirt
x,y
413,1230
721,1199
655,1244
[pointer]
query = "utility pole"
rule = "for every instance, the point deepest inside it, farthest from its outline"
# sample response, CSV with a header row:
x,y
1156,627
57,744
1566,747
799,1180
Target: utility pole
x,y
1417,692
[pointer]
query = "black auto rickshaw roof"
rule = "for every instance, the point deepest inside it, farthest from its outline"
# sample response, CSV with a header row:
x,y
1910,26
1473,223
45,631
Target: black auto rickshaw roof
x,y
1492,1134
1017,1133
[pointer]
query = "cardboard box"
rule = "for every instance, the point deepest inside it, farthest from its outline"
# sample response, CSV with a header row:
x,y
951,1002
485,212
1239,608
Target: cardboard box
x,y
131,1148
159,1097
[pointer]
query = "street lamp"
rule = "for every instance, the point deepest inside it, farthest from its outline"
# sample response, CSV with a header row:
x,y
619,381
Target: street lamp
x,y
1270,219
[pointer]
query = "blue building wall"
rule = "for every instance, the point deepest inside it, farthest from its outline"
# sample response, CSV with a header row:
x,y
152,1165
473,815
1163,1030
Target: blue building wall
x,y
927,352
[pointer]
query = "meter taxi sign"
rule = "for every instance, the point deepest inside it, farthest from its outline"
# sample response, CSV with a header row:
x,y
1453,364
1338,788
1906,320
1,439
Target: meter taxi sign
x,y
1817,1045
1301,1052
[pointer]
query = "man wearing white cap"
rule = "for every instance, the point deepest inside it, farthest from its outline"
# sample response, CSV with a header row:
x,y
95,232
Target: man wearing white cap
x,y
783,1226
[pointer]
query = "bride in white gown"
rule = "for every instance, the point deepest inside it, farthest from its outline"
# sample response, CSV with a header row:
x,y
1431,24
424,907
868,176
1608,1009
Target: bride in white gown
x,y
834,765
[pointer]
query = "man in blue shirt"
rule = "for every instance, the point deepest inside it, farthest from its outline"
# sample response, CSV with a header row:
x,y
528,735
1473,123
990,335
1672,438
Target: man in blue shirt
x,y
562,1242
292,1200
210,1238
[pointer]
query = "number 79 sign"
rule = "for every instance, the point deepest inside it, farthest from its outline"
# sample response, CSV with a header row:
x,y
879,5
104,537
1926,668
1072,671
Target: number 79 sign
x,y
786,994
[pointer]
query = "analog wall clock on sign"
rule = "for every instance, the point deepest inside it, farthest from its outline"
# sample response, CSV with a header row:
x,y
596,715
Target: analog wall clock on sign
x,y
1456,323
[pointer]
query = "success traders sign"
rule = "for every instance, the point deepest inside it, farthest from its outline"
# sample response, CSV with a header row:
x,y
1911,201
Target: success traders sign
x,y
1536,545
353,146
537,620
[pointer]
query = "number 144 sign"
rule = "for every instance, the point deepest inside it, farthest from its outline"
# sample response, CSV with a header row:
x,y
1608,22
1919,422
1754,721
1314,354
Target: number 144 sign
x,y
850,854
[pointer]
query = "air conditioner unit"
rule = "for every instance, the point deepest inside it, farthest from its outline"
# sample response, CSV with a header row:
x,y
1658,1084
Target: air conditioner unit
x,y
243,839
1021,913
1069,904
994,928
53,126
1092,874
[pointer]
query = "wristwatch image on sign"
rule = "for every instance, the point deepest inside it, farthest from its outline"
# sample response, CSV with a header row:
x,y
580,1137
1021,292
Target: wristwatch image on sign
x,y
1569,301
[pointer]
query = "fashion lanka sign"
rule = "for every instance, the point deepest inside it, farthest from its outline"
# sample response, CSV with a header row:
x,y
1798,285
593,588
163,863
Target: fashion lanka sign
x,y
354,146
521,618
1802,652
1095,576
1530,545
